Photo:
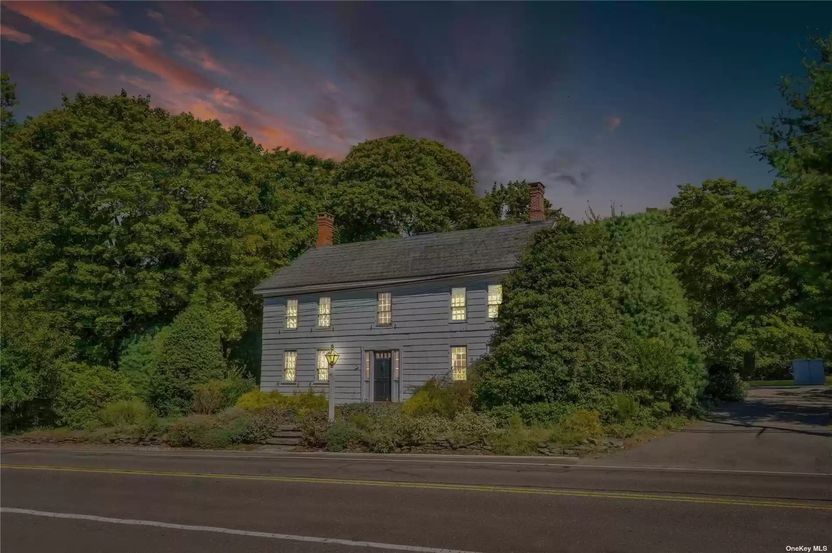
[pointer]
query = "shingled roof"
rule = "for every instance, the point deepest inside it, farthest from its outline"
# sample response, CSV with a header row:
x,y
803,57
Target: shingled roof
x,y
419,257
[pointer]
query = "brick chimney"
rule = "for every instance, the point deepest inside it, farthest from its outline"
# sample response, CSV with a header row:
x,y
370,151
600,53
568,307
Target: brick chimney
x,y
325,223
536,204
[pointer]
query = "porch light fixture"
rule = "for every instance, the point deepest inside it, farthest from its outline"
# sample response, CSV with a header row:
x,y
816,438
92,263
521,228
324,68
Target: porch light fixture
x,y
331,358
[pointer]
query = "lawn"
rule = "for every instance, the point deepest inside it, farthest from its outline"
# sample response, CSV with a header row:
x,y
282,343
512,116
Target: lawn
x,y
788,382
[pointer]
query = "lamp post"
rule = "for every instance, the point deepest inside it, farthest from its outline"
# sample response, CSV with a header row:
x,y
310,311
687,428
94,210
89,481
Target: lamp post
x,y
331,358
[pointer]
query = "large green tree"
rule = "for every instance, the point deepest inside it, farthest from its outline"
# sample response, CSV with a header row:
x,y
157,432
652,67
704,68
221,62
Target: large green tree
x,y
400,186
733,262
799,148
114,213
667,361
558,336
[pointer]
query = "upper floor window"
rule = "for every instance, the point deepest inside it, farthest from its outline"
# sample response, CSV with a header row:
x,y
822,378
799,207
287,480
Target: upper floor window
x,y
459,362
385,308
495,298
322,367
291,313
324,312
458,304
290,363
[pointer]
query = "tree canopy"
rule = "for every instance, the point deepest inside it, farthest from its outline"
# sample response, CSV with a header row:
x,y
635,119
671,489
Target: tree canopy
x,y
400,186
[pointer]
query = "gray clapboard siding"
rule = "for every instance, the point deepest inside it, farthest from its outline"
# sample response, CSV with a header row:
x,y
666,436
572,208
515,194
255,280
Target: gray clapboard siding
x,y
421,331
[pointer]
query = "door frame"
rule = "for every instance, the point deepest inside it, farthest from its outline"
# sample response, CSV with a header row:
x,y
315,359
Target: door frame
x,y
373,378
367,374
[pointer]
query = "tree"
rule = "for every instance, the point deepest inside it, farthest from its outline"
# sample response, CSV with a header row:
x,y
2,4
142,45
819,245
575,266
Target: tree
x,y
33,347
8,99
734,266
114,213
509,203
401,186
799,148
558,336
651,301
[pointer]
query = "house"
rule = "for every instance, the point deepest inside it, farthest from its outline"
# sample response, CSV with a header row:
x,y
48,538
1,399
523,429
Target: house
x,y
398,311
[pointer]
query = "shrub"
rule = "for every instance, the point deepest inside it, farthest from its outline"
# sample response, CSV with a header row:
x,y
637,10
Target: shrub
x,y
266,422
469,429
342,435
300,403
84,390
435,398
314,426
518,439
127,412
216,395
576,428
724,384
210,431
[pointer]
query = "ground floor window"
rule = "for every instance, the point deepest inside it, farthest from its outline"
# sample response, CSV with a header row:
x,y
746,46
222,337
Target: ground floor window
x,y
290,363
459,362
322,371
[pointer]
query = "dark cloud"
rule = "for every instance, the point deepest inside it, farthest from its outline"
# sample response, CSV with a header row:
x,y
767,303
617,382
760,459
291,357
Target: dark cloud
x,y
472,78
567,166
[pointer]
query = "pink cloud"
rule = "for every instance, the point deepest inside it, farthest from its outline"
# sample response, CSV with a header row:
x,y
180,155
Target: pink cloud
x,y
612,123
174,85
10,33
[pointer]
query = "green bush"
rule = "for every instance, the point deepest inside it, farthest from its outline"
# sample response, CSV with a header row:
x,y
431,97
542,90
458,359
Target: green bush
x,y
127,412
301,402
519,439
578,427
84,390
342,435
228,428
435,398
215,395
724,384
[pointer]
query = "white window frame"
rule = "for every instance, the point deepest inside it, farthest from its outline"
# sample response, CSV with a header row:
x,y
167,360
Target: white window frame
x,y
459,371
384,309
290,363
495,300
321,366
324,312
459,309
291,314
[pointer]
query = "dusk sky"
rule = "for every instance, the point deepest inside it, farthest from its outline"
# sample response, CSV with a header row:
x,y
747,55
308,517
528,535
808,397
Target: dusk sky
x,y
601,102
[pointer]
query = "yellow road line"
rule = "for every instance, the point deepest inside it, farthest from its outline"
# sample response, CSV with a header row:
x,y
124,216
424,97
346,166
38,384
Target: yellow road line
x,y
714,500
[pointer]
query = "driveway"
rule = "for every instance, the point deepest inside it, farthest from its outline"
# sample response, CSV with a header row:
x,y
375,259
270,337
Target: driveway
x,y
774,429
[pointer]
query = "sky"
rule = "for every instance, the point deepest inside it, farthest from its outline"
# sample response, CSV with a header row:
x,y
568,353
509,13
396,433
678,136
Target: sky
x,y
604,103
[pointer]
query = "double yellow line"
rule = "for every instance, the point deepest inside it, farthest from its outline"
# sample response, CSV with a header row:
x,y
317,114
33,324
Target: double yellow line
x,y
558,492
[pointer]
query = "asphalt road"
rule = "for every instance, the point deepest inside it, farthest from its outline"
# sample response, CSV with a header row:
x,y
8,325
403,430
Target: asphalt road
x,y
60,499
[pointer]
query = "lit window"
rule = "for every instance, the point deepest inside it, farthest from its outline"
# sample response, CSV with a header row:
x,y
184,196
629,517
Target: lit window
x,y
291,313
324,312
323,367
385,308
495,298
458,304
459,362
290,362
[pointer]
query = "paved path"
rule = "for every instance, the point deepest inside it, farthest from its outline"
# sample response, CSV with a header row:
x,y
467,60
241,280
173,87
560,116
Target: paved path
x,y
780,429
60,499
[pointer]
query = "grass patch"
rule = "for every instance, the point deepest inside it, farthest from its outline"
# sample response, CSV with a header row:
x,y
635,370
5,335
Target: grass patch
x,y
781,383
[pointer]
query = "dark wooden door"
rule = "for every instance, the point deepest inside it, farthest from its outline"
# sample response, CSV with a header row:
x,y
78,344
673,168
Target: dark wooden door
x,y
382,376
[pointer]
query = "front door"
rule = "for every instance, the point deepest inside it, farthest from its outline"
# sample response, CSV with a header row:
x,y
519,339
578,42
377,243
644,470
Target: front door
x,y
382,376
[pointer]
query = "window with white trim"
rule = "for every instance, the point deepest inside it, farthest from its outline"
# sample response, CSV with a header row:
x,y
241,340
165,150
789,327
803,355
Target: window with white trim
x,y
385,308
290,363
459,362
495,298
322,367
291,314
457,304
324,312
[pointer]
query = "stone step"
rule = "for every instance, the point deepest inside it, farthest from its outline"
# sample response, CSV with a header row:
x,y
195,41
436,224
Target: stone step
x,y
289,434
291,427
283,441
